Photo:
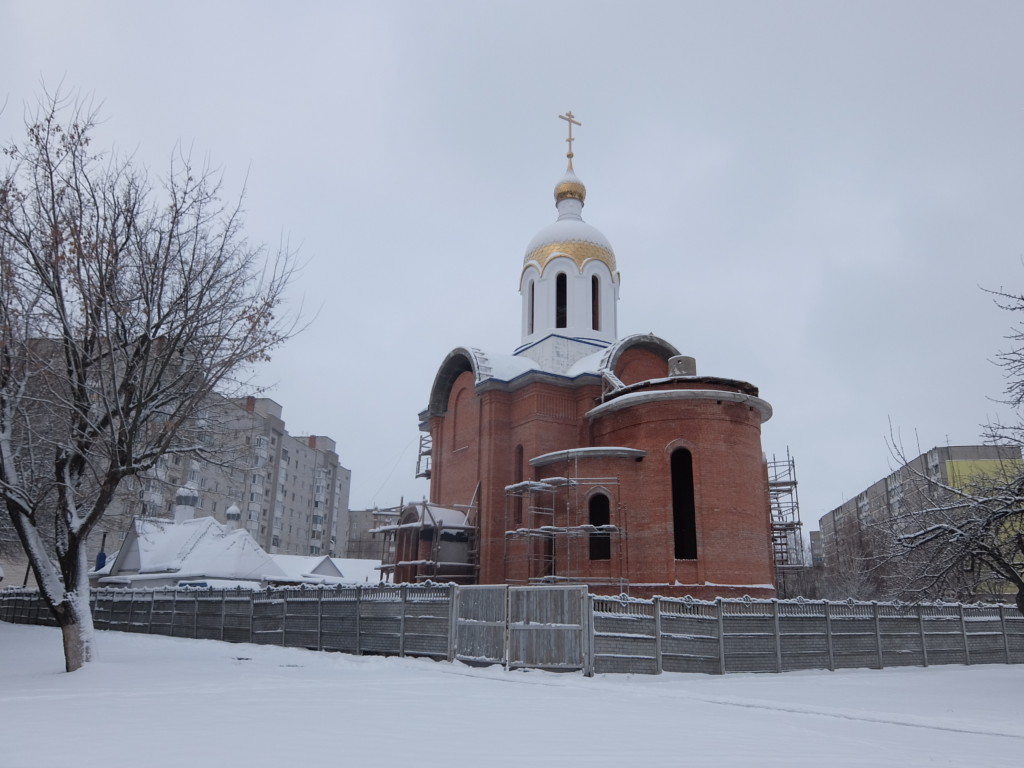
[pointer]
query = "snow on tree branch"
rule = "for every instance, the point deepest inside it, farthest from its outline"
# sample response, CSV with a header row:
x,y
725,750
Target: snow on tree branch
x,y
126,303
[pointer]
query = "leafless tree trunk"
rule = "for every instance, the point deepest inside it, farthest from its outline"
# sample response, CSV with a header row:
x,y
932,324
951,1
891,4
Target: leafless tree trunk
x,y
123,305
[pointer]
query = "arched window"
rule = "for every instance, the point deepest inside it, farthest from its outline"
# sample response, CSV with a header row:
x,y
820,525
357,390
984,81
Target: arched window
x,y
684,515
600,514
561,300
595,303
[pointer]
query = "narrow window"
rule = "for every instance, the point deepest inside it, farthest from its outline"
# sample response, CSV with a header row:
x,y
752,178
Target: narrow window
x,y
560,300
595,303
684,519
530,320
600,541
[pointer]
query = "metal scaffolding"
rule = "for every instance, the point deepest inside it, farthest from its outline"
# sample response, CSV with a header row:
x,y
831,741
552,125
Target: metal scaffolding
x,y
787,530
430,543
423,459
550,519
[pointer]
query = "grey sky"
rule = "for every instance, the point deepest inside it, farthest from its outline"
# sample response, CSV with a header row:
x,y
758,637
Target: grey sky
x,y
806,196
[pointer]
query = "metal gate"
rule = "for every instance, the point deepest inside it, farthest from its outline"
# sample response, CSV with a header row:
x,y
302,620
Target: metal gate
x,y
538,626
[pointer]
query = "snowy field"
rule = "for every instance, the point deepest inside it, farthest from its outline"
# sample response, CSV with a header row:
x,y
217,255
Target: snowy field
x,y
157,702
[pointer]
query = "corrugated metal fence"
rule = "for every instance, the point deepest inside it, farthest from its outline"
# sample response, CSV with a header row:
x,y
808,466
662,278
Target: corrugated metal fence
x,y
564,627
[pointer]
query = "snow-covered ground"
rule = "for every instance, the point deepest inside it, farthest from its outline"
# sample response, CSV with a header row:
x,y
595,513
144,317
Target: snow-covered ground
x,y
154,701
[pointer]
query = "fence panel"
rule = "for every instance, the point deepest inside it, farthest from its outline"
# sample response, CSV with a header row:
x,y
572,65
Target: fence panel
x,y
546,627
943,634
302,618
1014,623
141,616
625,637
268,609
119,612
380,620
901,638
690,636
339,620
101,606
480,624
428,621
983,627
237,626
854,639
162,612
749,639
24,606
186,606
803,635
209,614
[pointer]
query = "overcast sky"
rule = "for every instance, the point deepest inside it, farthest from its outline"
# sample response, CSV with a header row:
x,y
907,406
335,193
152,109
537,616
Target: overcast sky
x,y
805,195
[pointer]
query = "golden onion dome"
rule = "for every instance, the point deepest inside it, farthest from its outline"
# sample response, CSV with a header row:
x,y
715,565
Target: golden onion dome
x,y
570,188
569,236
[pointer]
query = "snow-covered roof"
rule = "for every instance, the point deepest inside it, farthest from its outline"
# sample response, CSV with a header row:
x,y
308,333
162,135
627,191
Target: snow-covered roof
x,y
503,367
358,570
192,549
435,515
322,569
506,367
568,230
589,364
423,514
556,357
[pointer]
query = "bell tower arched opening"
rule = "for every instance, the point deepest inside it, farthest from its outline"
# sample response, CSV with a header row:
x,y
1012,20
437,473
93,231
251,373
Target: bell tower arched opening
x,y
561,300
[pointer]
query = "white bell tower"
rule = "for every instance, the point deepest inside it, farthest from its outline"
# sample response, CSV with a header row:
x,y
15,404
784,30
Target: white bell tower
x,y
569,283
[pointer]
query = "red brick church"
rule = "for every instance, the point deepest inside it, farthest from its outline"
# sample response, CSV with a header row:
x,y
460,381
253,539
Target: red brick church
x,y
582,457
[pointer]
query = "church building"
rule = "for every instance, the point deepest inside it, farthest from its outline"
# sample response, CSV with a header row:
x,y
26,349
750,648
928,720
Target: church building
x,y
585,458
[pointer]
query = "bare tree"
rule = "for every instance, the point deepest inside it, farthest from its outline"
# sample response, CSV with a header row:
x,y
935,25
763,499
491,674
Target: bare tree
x,y
123,305
963,537
960,543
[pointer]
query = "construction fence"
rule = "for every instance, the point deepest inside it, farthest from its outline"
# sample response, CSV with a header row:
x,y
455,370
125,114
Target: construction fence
x,y
563,627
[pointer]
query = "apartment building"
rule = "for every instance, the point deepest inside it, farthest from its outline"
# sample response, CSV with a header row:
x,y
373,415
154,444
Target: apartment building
x,y
849,533
292,491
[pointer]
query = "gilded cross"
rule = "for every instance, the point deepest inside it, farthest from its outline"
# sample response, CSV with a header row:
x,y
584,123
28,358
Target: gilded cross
x,y
570,118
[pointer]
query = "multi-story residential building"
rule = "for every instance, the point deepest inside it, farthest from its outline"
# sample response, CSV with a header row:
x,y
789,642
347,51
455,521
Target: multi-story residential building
x,y
292,491
852,534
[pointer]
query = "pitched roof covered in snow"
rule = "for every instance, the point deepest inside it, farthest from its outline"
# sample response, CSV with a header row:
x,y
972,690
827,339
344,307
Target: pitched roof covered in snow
x,y
160,552
312,570
358,570
422,514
